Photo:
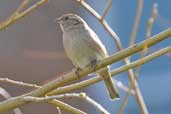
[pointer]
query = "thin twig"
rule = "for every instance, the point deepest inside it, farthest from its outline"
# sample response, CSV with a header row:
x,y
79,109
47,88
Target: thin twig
x,y
82,96
21,7
65,107
86,83
19,15
94,103
106,10
7,95
17,11
119,84
59,110
124,87
7,80
151,20
136,22
148,35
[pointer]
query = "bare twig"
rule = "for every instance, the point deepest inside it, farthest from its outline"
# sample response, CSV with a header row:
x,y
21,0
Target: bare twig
x,y
17,11
123,87
148,35
94,103
59,110
7,80
136,22
6,95
151,20
82,96
65,107
109,4
21,7
19,15
86,83
113,72
19,83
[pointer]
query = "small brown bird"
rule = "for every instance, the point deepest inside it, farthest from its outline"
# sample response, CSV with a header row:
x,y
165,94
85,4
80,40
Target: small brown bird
x,y
83,46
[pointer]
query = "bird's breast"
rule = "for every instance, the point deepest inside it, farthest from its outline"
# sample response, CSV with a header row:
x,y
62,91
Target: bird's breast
x,y
78,50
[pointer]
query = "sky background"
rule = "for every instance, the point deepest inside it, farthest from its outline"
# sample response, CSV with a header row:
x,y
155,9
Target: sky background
x,y
31,50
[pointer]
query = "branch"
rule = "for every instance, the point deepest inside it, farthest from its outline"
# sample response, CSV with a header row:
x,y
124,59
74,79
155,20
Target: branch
x,y
109,4
86,83
82,96
19,15
136,23
59,110
20,83
17,101
6,95
113,72
6,80
57,103
64,106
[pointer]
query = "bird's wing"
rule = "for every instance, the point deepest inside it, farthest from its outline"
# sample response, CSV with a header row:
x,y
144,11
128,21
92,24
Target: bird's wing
x,y
94,42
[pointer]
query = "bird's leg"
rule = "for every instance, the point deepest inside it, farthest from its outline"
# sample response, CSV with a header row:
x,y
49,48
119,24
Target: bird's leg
x,y
93,64
77,70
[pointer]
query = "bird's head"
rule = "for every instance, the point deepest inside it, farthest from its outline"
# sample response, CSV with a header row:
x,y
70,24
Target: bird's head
x,y
70,21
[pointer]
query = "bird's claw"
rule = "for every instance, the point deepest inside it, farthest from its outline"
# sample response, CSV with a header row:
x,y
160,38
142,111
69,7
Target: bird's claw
x,y
93,64
77,70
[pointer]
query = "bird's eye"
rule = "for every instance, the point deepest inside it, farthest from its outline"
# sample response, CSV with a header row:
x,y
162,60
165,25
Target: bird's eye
x,y
66,18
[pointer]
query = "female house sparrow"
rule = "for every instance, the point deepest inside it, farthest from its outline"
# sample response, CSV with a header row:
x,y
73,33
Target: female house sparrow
x,y
83,46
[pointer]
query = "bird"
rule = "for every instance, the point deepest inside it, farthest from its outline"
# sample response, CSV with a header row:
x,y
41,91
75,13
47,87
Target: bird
x,y
83,47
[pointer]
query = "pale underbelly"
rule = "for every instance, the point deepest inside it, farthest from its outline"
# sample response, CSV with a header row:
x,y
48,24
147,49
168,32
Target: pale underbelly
x,y
81,54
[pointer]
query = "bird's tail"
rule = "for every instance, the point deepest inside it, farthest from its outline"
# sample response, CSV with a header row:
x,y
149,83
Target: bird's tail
x,y
110,85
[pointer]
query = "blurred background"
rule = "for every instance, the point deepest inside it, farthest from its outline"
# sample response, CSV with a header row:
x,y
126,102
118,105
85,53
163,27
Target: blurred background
x,y
31,51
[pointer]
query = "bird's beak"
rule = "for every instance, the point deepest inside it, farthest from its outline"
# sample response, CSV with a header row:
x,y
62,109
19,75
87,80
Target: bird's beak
x,y
58,20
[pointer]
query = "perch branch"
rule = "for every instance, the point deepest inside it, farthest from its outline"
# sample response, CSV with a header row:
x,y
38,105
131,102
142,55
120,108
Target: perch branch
x,y
91,81
119,84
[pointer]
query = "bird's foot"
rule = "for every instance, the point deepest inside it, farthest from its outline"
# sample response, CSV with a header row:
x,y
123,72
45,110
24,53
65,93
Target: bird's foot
x,y
77,70
93,64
